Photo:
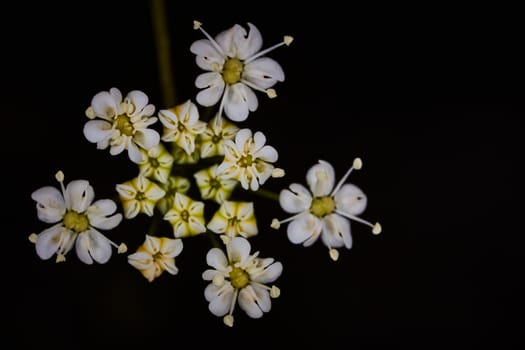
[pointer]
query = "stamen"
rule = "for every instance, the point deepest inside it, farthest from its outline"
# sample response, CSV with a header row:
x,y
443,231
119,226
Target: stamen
x,y
357,164
221,105
358,219
60,258
277,172
198,25
122,248
287,40
33,238
271,93
228,320
218,280
377,228
334,254
275,292
275,224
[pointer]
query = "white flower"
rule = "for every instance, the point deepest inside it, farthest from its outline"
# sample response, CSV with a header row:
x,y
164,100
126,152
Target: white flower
x,y
324,210
248,159
186,216
235,65
212,140
214,186
139,195
121,124
76,220
156,255
157,163
234,219
182,125
239,276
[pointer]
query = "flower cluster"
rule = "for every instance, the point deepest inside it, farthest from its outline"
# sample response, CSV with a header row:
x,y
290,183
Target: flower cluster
x,y
177,149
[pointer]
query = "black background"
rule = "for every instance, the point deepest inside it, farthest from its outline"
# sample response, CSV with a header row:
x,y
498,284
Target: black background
x,y
431,98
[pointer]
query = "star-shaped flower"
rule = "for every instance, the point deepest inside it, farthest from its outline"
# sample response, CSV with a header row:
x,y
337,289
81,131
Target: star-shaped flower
x,y
213,185
240,277
156,255
324,210
121,124
76,220
234,219
186,216
212,140
235,66
139,195
157,164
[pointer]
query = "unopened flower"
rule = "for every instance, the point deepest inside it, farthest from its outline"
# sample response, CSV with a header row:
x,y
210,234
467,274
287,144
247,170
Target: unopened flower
x,y
248,159
235,67
157,164
139,195
182,125
213,185
76,220
212,140
234,219
156,255
121,125
173,185
240,277
324,210
186,216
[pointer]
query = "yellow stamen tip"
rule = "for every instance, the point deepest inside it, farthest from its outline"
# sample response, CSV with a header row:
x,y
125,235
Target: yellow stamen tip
x,y
59,176
122,248
218,280
275,292
225,239
277,172
358,164
377,228
60,258
271,93
275,224
228,320
90,113
196,25
334,254
33,238
288,40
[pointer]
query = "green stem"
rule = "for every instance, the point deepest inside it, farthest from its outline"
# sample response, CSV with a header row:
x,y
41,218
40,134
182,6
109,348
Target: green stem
x,y
154,224
213,238
162,41
267,194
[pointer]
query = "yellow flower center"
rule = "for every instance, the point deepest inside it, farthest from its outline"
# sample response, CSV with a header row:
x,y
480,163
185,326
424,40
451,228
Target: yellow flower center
x,y
322,206
245,161
140,196
75,221
238,277
232,70
123,124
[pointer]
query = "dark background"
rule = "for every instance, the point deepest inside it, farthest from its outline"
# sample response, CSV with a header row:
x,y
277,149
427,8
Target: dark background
x,y
431,98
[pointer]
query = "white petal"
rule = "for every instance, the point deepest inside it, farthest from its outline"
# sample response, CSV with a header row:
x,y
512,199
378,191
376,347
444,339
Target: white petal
x,y
270,273
97,130
168,264
79,195
207,55
239,101
216,259
238,250
268,154
48,241
350,199
134,154
306,228
92,245
99,214
50,204
295,200
152,244
140,260
105,105
246,44
208,275
147,138
263,72
248,301
171,248
241,139
336,231
320,178
213,86
218,224
139,100
220,298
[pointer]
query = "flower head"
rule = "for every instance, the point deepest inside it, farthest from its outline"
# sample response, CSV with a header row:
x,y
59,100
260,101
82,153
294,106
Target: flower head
x,y
212,140
248,159
157,164
76,220
240,277
139,195
182,125
156,255
234,219
324,210
121,124
235,66
214,186
186,216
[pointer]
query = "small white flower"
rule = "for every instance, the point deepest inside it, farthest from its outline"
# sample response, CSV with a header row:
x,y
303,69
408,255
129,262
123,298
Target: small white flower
x,y
157,164
139,195
248,159
121,124
156,255
235,67
186,216
214,186
212,140
324,210
182,125
76,220
234,219
239,276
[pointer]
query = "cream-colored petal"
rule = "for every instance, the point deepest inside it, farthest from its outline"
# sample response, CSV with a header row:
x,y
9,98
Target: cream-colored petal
x,y
238,250
152,244
168,264
92,245
79,195
336,231
217,259
220,298
126,191
50,206
239,100
131,208
213,87
295,200
248,302
218,223
350,199
168,119
305,228
97,130
170,248
321,178
49,241
140,260
263,72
